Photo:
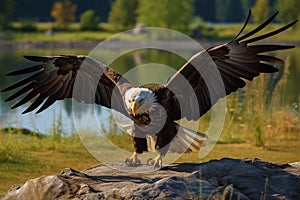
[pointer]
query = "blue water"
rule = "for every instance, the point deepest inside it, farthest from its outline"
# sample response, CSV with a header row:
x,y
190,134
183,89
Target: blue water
x,y
93,118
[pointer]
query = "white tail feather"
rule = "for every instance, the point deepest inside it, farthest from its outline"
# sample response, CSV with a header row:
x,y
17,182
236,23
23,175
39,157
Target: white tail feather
x,y
186,141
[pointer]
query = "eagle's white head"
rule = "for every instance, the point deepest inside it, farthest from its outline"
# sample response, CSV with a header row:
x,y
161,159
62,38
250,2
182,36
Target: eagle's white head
x,y
139,100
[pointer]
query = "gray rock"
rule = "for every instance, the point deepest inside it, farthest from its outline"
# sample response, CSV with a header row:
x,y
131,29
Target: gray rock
x,y
217,179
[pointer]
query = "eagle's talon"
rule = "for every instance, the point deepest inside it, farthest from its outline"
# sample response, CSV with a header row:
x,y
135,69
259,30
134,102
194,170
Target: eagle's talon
x,y
148,161
132,161
127,162
156,163
137,163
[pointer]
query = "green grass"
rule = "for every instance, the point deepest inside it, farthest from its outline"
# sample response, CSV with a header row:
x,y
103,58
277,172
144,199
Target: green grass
x,y
24,156
58,37
229,31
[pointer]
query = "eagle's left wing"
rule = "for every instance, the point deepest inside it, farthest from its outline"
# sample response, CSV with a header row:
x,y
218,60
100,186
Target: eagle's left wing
x,y
67,76
235,61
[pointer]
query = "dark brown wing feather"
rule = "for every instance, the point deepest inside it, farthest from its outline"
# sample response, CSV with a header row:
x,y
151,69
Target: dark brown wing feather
x,y
60,77
235,61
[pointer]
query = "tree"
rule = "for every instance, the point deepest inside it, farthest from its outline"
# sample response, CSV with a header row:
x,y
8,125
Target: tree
x,y
6,10
123,14
229,11
166,13
288,10
261,10
205,9
63,12
247,5
40,10
88,20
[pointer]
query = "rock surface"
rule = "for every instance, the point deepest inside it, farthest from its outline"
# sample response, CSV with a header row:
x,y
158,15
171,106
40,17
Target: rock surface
x,y
217,179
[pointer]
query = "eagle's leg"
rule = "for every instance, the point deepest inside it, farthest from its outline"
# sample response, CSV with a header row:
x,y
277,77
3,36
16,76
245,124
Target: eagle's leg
x,y
155,162
163,143
133,160
140,145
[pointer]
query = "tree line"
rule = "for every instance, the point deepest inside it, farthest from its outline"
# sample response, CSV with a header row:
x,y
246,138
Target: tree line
x,y
122,14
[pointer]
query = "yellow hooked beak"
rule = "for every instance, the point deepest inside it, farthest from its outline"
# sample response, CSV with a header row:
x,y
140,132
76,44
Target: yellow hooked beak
x,y
134,107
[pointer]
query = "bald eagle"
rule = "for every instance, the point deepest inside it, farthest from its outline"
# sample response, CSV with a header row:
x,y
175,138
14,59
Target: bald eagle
x,y
149,107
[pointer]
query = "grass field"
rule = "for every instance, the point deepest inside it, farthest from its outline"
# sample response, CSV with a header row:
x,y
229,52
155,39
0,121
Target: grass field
x,y
211,31
57,37
23,156
229,31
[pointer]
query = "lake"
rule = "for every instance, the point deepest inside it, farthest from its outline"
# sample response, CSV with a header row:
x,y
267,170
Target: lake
x,y
62,111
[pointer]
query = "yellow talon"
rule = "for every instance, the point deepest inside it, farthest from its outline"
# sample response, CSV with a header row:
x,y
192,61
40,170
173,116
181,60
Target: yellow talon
x,y
133,160
156,162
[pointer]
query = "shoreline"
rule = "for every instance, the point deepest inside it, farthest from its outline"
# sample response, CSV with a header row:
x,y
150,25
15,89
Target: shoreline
x,y
116,44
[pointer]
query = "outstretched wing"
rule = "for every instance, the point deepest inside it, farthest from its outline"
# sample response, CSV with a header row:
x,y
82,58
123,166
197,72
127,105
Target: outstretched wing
x,y
235,61
67,76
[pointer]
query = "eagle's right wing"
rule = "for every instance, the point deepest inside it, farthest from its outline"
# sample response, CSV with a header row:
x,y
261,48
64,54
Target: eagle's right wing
x,y
218,71
67,76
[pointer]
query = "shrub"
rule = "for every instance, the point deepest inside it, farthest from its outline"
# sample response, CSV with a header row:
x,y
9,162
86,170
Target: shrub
x,y
63,13
27,25
88,20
